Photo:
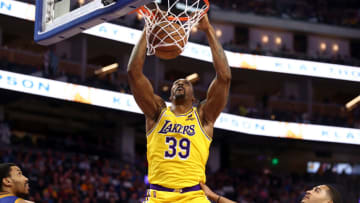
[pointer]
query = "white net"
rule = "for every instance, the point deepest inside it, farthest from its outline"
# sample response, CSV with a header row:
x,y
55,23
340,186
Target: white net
x,y
174,18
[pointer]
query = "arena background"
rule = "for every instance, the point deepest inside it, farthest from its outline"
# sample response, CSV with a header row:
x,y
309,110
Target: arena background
x,y
73,151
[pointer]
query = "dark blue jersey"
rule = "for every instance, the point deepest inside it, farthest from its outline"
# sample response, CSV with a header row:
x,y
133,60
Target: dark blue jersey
x,y
9,199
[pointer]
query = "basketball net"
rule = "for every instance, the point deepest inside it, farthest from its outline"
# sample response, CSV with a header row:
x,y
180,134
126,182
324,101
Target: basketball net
x,y
191,12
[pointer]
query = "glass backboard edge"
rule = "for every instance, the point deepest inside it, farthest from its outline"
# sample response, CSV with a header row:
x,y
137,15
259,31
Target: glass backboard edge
x,y
78,25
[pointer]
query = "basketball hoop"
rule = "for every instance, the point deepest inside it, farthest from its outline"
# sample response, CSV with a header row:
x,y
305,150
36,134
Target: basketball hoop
x,y
186,13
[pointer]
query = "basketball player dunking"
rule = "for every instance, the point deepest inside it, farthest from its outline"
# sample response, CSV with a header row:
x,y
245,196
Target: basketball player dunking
x,y
179,136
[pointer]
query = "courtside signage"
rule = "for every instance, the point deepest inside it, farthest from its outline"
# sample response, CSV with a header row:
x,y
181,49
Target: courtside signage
x,y
126,102
201,52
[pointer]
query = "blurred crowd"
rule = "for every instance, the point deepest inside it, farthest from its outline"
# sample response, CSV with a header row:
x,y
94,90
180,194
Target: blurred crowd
x,y
265,186
83,169
284,53
318,11
63,176
77,144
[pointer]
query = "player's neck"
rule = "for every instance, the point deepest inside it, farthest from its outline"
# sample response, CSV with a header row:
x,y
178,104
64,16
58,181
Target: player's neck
x,y
179,109
6,193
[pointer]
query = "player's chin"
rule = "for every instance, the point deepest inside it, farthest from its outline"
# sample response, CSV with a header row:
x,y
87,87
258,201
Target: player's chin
x,y
180,95
26,190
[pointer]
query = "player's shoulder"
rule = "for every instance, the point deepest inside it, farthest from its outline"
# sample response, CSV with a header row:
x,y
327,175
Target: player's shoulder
x,y
8,198
13,199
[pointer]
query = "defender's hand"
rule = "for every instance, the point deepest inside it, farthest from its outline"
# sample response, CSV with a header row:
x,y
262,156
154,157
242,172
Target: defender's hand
x,y
208,192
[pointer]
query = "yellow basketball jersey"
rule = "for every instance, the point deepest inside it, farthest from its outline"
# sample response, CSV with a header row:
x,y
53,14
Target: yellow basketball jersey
x,y
177,150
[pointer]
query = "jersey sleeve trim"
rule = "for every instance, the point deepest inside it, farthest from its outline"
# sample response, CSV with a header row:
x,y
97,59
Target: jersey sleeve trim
x,y
7,195
18,200
157,122
201,126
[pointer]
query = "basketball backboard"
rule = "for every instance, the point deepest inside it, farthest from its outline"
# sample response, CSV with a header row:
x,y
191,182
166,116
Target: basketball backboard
x,y
56,20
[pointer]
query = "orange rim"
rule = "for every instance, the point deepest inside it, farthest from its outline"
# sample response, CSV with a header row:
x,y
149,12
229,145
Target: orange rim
x,y
142,10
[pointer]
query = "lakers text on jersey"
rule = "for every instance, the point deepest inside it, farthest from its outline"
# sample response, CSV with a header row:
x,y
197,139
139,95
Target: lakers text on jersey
x,y
177,150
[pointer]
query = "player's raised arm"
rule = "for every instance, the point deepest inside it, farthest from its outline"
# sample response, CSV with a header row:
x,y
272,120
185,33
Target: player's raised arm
x,y
140,85
218,91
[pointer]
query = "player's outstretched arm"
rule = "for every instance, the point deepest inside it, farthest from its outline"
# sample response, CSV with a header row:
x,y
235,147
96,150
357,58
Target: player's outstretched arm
x,y
219,89
140,85
213,196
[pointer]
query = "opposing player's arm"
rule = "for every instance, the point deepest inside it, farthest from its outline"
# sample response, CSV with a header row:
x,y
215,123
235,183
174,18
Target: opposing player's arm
x,y
218,91
213,196
24,201
140,85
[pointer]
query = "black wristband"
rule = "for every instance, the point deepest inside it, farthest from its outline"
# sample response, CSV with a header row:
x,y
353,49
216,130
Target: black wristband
x,y
217,201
